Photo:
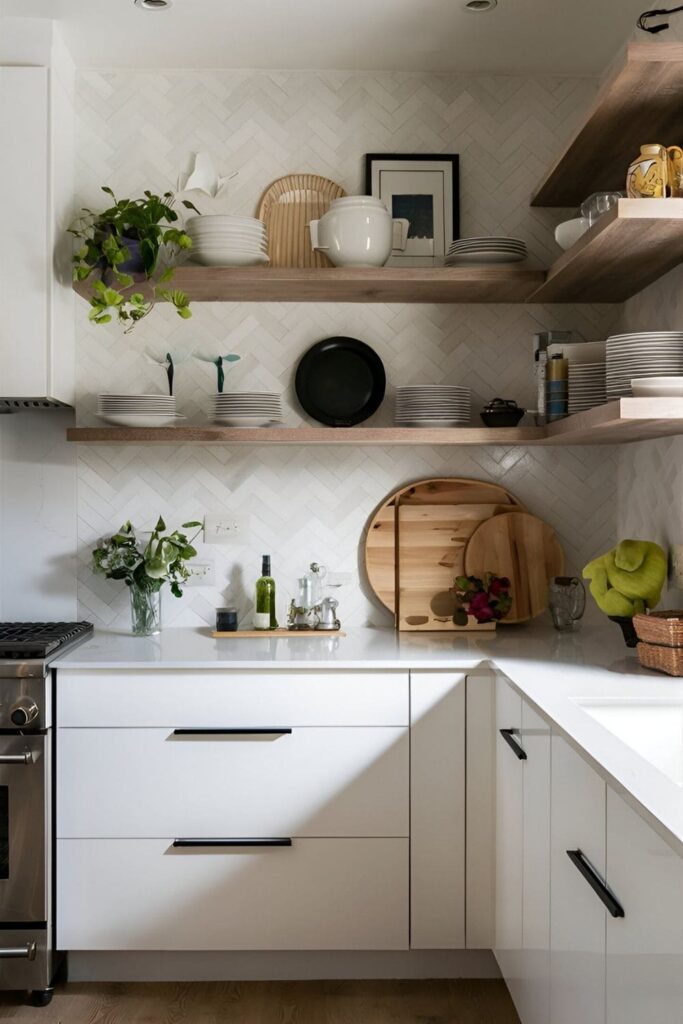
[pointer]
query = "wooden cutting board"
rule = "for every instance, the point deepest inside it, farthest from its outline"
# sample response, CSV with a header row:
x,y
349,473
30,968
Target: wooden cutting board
x,y
525,549
287,207
431,552
380,542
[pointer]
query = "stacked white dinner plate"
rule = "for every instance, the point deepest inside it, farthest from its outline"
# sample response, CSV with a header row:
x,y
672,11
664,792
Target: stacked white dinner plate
x,y
138,410
493,249
644,354
433,405
220,240
247,409
587,386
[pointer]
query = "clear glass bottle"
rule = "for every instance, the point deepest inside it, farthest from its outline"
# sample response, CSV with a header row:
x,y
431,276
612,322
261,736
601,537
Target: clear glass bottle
x,y
264,610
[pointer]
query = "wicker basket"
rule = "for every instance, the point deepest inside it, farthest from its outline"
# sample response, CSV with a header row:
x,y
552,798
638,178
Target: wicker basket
x,y
664,628
661,658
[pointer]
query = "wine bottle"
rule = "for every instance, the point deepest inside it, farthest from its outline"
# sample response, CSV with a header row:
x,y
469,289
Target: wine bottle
x,y
264,611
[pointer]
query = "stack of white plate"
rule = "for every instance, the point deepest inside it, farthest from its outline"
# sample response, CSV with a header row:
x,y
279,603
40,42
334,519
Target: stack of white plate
x,y
587,386
247,409
219,240
138,410
496,249
644,354
433,405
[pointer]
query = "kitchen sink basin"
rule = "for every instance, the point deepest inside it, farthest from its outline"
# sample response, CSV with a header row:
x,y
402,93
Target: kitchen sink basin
x,y
653,729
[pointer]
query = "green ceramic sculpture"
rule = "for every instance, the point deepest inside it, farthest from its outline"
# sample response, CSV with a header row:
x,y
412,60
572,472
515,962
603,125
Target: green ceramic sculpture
x,y
628,579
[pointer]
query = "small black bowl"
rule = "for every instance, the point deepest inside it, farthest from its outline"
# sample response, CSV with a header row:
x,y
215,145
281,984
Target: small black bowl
x,y
502,417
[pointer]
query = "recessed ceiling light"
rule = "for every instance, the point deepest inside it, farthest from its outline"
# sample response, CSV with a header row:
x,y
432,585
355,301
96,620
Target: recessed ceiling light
x,y
480,5
153,5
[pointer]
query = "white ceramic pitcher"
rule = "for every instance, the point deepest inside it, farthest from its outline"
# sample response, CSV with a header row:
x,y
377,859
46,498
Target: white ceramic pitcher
x,y
358,231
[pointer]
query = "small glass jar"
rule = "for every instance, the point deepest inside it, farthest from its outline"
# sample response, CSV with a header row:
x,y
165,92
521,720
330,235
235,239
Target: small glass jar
x,y
226,620
567,602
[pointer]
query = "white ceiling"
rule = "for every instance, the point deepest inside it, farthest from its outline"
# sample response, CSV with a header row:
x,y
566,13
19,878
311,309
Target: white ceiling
x,y
567,37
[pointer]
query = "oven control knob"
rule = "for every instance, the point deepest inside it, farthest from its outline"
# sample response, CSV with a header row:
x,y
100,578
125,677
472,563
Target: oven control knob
x,y
23,712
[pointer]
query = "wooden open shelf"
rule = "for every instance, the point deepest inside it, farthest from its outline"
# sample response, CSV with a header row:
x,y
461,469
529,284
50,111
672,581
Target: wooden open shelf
x,y
641,101
343,284
628,419
627,249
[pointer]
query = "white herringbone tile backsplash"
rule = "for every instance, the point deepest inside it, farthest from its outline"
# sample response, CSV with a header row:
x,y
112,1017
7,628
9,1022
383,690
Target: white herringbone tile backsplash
x,y
137,130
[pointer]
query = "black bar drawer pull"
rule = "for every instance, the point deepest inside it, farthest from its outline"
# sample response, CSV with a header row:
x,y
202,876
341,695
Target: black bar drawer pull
x,y
508,736
579,861
189,843
232,732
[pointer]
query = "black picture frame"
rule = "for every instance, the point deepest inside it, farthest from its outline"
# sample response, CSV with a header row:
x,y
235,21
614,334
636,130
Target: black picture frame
x,y
452,158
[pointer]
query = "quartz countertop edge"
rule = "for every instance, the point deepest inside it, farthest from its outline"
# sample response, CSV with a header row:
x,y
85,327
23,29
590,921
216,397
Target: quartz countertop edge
x,y
552,671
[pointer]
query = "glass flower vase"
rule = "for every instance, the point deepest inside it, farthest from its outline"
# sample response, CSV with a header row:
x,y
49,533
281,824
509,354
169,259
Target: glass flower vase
x,y
145,611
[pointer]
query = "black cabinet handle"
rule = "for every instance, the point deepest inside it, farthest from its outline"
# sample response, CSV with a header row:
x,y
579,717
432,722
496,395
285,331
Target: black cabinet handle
x,y
231,842
508,736
579,861
232,732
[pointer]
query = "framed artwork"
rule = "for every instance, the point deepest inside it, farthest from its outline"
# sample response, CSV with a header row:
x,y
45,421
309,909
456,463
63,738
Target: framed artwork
x,y
425,190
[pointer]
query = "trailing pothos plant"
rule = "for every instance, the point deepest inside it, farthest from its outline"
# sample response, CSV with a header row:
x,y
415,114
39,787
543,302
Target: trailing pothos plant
x,y
162,560
122,244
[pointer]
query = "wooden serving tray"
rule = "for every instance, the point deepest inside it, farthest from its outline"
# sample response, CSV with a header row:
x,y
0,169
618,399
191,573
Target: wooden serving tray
x,y
251,634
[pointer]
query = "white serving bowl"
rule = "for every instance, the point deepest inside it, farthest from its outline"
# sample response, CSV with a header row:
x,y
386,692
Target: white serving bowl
x,y
657,387
569,232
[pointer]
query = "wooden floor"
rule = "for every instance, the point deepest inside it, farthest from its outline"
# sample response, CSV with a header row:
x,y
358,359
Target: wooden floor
x,y
294,1002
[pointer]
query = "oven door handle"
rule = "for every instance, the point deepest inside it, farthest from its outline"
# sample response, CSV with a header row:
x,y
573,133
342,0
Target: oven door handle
x,y
27,952
25,758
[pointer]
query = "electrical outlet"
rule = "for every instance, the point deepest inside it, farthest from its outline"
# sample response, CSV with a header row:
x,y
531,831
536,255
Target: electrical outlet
x,y
676,565
222,529
202,574
338,579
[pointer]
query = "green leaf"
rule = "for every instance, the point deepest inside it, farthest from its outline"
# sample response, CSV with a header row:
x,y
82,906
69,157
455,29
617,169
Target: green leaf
x,y
188,526
189,206
167,275
186,314
109,192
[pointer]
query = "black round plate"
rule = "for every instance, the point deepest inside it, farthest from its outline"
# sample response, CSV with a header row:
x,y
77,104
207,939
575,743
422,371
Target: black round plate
x,y
340,382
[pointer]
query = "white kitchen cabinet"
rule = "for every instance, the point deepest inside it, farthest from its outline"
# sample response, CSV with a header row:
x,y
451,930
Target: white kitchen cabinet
x,y
136,894
533,987
305,782
644,948
509,833
37,325
437,795
577,915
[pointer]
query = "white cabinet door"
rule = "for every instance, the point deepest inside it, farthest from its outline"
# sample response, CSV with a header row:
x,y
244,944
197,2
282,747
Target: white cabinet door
x,y
437,829
645,947
117,894
533,989
577,916
509,832
25,256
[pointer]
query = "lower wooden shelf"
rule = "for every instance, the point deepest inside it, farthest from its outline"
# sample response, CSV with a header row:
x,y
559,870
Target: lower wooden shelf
x,y
618,422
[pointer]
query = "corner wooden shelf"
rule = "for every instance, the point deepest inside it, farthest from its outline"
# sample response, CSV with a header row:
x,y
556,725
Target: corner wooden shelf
x,y
640,101
344,284
618,422
627,249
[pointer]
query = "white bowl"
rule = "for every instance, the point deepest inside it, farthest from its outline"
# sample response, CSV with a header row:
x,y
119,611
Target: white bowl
x,y
569,231
657,387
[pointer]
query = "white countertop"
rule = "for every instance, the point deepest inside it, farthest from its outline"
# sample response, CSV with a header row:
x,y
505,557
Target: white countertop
x,y
553,671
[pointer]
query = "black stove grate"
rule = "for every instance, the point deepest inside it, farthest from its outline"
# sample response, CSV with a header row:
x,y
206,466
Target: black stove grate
x,y
38,639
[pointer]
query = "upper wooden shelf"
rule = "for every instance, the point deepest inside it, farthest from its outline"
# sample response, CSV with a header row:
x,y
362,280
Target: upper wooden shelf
x,y
343,284
627,249
618,422
640,101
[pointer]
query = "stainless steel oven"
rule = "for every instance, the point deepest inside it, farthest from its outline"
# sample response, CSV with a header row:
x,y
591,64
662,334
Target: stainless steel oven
x,y
28,959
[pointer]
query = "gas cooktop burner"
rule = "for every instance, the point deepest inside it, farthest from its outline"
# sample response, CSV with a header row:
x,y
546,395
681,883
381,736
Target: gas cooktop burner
x,y
38,639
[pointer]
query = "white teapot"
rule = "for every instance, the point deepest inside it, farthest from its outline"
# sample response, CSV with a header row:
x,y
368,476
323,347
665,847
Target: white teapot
x,y
358,231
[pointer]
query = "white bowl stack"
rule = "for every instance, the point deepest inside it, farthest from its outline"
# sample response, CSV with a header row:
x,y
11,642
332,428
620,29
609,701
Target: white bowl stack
x,y
138,410
493,249
433,405
587,386
639,355
220,240
247,409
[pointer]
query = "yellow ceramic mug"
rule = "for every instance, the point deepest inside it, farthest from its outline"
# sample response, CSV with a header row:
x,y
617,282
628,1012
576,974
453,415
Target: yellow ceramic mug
x,y
656,172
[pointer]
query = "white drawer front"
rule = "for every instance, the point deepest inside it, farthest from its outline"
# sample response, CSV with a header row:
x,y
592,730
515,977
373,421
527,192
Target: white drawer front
x,y
121,894
221,698
145,783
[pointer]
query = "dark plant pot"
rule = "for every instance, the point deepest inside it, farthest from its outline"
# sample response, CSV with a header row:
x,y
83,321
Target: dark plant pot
x,y
627,628
133,266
